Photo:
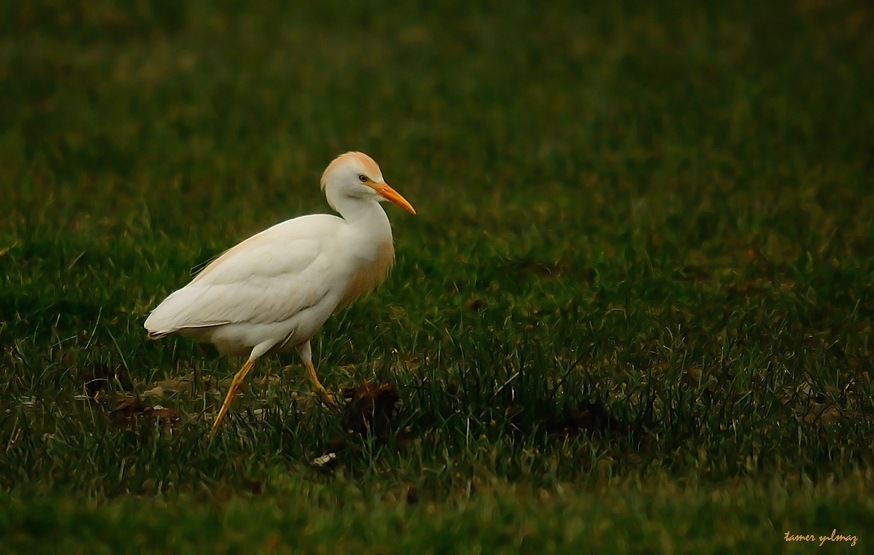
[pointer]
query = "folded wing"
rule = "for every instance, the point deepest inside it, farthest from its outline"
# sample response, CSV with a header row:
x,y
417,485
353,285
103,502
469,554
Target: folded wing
x,y
267,278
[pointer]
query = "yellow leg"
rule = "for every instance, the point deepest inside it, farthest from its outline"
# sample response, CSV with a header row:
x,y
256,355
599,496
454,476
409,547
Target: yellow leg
x,y
232,391
320,389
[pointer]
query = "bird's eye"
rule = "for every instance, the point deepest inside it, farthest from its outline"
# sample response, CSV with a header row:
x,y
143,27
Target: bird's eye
x,y
362,178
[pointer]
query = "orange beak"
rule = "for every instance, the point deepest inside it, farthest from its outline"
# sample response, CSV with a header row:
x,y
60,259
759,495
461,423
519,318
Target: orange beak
x,y
394,197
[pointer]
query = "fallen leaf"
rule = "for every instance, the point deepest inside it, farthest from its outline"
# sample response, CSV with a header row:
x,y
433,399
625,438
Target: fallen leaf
x,y
167,388
324,460
128,413
369,408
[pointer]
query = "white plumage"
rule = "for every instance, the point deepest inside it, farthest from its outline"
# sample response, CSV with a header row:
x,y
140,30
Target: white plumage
x,y
274,290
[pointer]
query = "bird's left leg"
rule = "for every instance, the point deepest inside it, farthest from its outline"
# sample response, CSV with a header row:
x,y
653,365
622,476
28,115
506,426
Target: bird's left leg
x,y
232,391
306,356
320,389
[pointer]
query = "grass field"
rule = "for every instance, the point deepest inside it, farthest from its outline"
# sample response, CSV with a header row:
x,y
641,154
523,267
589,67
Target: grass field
x,y
632,315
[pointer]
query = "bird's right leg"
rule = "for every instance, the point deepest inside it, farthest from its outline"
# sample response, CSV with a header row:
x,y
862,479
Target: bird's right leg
x,y
232,391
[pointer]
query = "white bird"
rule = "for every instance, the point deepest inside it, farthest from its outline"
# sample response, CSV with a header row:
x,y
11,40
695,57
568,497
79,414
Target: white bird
x,y
273,291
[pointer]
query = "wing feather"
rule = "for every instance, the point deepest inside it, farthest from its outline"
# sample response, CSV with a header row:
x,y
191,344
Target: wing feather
x,y
267,278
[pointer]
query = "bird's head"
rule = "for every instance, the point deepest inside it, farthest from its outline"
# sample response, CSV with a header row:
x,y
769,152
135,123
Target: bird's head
x,y
355,175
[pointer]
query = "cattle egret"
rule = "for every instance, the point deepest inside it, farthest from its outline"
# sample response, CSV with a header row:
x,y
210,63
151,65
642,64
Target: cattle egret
x,y
273,291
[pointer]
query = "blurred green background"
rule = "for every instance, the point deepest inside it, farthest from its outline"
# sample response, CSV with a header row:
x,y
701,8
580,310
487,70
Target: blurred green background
x,y
633,313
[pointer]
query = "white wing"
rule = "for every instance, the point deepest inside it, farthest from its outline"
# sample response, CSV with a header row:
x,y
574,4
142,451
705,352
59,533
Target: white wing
x,y
267,278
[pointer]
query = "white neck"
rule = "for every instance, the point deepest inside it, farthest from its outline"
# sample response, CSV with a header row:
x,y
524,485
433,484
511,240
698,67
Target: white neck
x,y
363,213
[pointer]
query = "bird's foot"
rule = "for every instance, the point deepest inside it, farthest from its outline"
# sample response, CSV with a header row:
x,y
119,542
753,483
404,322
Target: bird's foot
x,y
320,390
328,399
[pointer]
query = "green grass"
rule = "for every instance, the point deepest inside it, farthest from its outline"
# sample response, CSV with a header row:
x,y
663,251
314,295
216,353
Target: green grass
x,y
633,314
